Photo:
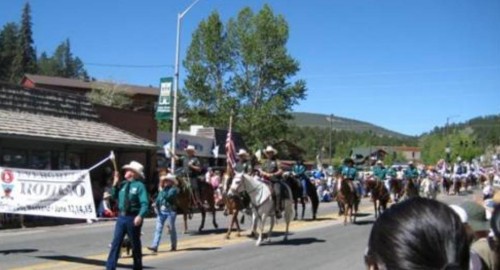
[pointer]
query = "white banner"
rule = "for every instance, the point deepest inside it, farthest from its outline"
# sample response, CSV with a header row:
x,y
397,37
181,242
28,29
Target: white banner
x,y
65,194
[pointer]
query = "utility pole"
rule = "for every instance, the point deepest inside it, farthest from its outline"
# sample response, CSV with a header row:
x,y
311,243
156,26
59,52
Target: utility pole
x,y
331,130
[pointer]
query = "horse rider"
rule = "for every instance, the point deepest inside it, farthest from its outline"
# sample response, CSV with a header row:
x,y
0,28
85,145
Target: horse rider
x,y
244,165
192,170
271,171
299,171
411,174
460,171
380,172
349,173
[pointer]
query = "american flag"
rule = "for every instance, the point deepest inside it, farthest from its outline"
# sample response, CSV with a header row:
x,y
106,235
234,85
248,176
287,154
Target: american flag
x,y
230,151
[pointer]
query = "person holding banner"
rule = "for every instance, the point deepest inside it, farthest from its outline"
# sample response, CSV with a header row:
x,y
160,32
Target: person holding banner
x,y
133,204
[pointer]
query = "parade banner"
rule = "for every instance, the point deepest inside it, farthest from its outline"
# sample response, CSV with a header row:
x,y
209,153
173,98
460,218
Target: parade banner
x,y
164,108
66,194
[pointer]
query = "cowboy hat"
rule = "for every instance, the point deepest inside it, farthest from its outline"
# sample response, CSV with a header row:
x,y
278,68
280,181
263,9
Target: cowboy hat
x,y
242,152
270,149
190,148
169,177
135,167
380,162
106,195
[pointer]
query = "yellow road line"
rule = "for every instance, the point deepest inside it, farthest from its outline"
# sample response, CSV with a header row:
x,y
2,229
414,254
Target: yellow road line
x,y
199,242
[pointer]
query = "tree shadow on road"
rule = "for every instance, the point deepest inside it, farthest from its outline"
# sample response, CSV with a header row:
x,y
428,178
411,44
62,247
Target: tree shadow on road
x,y
87,261
296,242
25,250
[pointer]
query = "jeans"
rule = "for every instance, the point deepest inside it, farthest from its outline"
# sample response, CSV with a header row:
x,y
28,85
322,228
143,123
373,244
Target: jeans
x,y
169,216
125,225
304,186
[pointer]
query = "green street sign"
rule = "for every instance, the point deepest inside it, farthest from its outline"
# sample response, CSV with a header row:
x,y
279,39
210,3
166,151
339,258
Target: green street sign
x,y
164,108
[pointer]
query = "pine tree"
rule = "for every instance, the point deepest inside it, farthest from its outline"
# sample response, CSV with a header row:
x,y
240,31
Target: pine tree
x,y
8,49
25,60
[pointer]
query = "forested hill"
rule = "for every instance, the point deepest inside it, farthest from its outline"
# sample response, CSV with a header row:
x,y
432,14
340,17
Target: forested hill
x,y
302,119
486,129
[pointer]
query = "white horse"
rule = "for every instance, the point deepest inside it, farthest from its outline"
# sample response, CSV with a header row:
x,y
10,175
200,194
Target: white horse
x,y
428,187
262,203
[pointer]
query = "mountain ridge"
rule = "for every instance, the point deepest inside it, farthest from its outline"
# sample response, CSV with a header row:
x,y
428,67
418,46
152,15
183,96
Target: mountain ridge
x,y
306,119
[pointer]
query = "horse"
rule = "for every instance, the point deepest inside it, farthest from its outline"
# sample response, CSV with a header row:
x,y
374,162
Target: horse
x,y
410,189
185,202
378,193
234,204
396,189
262,203
349,200
428,188
294,183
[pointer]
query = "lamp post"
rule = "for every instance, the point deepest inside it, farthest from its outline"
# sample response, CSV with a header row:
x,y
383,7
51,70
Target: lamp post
x,y
331,129
176,82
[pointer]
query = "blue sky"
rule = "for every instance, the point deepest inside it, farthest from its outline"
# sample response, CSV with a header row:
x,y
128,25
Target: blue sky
x,y
404,65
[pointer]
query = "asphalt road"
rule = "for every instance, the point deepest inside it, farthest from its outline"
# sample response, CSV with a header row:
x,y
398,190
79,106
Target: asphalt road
x,y
322,244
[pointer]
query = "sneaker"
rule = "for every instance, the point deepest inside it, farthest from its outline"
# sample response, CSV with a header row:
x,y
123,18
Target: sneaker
x,y
173,249
153,249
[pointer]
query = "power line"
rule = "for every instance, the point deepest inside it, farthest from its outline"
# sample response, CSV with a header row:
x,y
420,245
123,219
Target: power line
x,y
127,65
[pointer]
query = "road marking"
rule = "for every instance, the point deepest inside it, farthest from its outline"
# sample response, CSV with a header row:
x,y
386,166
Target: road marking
x,y
216,241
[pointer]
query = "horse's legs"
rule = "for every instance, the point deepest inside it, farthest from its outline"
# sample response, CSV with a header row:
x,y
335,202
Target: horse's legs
x,y
185,216
235,217
303,207
261,229
271,226
295,202
375,207
214,222
203,216
346,212
254,224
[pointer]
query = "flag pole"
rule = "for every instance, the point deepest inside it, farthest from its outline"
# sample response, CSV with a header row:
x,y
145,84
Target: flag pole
x,y
228,169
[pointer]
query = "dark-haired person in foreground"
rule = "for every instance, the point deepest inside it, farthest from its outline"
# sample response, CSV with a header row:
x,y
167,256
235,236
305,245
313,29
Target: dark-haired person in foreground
x,y
418,233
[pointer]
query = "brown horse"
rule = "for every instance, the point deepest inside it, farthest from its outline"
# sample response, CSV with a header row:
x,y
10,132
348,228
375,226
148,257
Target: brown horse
x,y
233,206
185,202
379,194
397,190
349,199
410,189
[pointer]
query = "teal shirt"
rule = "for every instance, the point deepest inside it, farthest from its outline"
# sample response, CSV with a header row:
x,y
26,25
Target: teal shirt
x,y
379,173
411,173
137,197
299,169
392,173
166,197
349,172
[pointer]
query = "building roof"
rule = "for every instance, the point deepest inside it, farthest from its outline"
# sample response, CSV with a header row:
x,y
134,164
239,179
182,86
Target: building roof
x,y
47,81
56,116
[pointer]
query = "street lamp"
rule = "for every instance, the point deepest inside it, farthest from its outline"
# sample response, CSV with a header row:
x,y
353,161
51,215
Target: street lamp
x,y
176,82
331,129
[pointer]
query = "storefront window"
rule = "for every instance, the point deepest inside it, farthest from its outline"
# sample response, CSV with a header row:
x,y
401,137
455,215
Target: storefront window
x,y
40,160
14,158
